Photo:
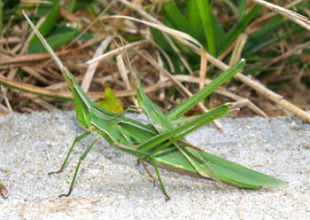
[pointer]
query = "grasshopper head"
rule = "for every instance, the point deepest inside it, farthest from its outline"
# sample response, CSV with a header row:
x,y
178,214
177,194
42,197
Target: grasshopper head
x,y
81,100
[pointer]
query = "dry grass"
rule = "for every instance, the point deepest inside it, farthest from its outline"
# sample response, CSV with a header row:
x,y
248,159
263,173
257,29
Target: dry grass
x,y
96,63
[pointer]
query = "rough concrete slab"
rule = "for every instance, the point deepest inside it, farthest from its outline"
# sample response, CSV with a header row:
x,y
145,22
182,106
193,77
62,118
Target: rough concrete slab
x,y
111,185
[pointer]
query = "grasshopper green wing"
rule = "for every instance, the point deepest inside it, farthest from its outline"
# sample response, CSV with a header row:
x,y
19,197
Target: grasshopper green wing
x,y
229,172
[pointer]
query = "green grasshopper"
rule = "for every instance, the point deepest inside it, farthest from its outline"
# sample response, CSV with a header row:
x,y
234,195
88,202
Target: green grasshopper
x,y
160,143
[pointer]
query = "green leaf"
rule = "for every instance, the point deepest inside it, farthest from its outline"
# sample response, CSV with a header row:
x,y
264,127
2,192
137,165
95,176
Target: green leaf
x,y
110,102
55,41
48,24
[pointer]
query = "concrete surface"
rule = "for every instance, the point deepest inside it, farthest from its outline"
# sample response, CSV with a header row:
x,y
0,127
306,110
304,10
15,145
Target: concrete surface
x,y
111,185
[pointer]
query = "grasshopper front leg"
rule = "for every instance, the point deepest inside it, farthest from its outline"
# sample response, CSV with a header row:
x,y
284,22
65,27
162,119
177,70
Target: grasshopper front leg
x,y
76,140
84,155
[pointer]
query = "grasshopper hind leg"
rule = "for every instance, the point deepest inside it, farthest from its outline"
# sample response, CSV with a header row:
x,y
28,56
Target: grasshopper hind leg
x,y
162,186
148,172
76,140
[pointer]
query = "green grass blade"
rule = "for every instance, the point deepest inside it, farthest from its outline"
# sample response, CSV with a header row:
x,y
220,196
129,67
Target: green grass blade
x,y
204,10
202,94
175,17
242,9
239,28
71,6
49,22
161,41
1,17
260,39
219,32
194,23
263,44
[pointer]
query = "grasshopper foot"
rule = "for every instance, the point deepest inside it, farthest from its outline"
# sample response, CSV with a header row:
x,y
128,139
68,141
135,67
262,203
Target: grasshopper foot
x,y
66,195
54,172
167,198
